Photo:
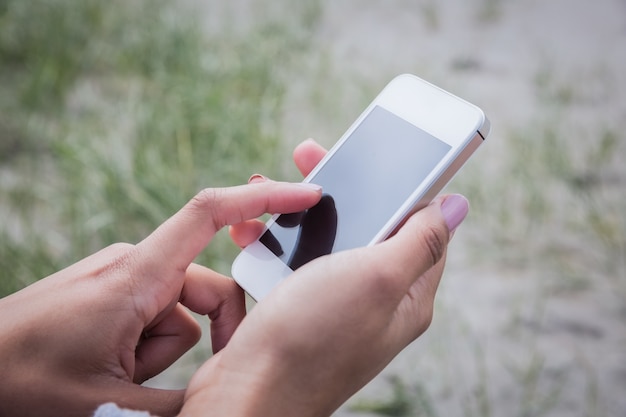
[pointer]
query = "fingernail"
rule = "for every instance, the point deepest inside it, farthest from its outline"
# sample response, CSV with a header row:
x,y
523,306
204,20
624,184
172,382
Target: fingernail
x,y
454,209
256,178
310,186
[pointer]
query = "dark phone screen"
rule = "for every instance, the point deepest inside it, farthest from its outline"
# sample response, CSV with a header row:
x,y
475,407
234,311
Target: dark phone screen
x,y
364,183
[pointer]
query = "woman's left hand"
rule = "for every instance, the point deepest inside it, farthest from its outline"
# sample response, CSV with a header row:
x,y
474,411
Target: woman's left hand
x,y
94,331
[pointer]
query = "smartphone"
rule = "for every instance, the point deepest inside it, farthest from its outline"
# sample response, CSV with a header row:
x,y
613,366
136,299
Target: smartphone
x,y
393,160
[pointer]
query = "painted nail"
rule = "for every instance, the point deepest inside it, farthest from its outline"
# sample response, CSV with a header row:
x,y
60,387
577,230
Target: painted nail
x,y
256,178
454,209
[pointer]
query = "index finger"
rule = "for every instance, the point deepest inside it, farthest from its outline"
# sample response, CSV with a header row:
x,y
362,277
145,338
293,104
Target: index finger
x,y
177,242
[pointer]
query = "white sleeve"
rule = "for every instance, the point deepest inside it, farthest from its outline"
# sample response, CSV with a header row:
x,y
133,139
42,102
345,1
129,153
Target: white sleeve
x,y
112,410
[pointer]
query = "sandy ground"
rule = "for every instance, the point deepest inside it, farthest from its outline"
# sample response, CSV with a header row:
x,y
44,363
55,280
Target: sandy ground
x,y
503,341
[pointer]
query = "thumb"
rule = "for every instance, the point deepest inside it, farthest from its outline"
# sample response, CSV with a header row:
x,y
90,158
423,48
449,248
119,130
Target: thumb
x,y
421,243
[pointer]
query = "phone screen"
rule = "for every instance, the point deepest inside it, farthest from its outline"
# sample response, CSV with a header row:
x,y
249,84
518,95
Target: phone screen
x,y
364,183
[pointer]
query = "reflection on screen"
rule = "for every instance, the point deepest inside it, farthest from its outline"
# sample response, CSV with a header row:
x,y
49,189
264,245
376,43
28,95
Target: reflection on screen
x,y
365,182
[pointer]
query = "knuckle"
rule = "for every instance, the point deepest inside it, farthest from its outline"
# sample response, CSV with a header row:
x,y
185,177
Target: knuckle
x,y
209,201
224,288
426,318
205,199
434,242
122,262
118,248
386,279
230,289
119,254
192,334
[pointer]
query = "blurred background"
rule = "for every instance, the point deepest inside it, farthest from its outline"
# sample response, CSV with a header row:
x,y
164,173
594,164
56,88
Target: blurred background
x,y
113,114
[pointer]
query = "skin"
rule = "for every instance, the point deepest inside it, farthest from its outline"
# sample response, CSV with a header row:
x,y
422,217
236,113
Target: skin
x,y
94,331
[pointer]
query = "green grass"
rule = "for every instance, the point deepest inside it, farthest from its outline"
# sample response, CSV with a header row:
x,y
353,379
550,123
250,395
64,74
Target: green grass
x,y
559,188
114,114
405,401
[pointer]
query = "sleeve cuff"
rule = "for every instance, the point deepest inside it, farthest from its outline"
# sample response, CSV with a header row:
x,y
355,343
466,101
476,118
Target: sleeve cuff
x,y
112,410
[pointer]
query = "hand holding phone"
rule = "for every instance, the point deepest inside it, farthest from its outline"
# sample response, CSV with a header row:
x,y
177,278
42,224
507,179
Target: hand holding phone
x,y
332,326
392,161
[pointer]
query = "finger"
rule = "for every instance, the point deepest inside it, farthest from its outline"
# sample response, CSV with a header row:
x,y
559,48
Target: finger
x,y
217,296
420,301
307,155
421,243
246,232
163,343
181,238
427,284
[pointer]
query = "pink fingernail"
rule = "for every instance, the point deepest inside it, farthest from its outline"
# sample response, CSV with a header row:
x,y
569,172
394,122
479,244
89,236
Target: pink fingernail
x,y
256,178
454,209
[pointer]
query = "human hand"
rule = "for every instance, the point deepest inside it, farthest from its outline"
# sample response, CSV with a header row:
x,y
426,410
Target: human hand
x,y
92,332
332,325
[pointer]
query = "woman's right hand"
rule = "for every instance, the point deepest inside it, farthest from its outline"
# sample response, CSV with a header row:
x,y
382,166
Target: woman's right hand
x,y
332,326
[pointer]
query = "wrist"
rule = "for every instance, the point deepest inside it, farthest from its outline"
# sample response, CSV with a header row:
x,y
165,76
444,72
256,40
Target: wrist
x,y
219,388
261,385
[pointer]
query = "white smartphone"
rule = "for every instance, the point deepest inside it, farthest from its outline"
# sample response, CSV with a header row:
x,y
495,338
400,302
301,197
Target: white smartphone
x,y
395,158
